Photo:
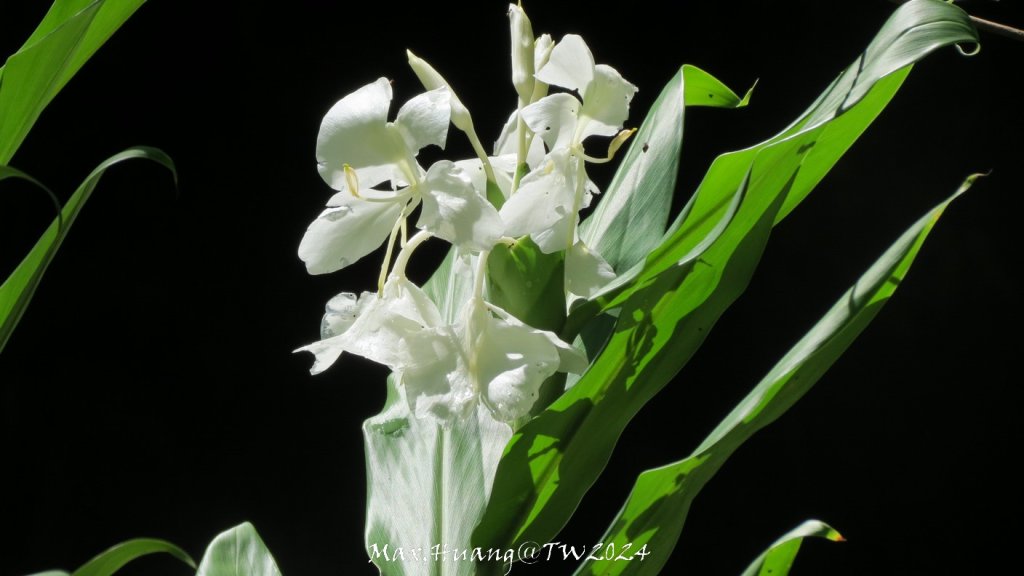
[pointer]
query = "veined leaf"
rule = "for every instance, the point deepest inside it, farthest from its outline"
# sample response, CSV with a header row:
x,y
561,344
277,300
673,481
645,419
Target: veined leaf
x,y
18,288
428,484
778,559
675,300
633,212
657,507
117,556
238,552
68,36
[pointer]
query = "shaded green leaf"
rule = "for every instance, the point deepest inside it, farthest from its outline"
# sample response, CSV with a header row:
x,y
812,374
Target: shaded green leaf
x,y
116,557
238,552
633,212
668,311
113,559
778,559
18,288
68,36
657,507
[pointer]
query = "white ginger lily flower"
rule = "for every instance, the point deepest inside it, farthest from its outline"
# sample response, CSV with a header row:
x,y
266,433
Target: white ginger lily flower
x,y
559,182
487,355
358,151
563,122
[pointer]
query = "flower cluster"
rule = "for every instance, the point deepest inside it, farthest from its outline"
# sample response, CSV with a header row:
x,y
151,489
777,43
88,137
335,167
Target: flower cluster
x,y
534,185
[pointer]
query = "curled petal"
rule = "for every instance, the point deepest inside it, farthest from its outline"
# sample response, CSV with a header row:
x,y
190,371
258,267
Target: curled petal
x,y
355,132
383,328
586,271
554,119
346,232
571,65
606,103
455,211
424,119
543,207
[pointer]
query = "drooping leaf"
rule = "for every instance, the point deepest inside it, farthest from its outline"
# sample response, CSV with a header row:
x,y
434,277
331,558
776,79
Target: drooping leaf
x,y
657,506
778,559
238,552
667,312
18,288
113,559
633,212
68,36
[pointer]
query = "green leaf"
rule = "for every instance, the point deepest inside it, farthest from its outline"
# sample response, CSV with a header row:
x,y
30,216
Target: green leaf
x,y
18,288
633,212
117,556
683,287
238,552
68,36
657,507
778,559
428,484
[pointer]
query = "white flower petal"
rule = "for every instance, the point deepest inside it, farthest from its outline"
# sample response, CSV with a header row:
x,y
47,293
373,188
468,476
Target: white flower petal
x,y
570,359
455,211
424,119
586,271
513,360
606,103
571,65
503,171
437,384
345,233
342,311
355,132
544,201
386,325
507,144
554,119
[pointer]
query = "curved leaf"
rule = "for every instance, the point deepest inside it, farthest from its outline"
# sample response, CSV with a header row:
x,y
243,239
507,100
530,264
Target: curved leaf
x,y
68,36
778,558
633,212
665,315
657,507
116,557
238,552
18,288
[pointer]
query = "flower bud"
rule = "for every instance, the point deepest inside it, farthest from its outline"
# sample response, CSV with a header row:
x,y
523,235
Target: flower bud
x,y
522,52
432,80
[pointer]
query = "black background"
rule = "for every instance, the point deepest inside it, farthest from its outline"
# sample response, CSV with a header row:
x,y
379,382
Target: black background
x,y
150,389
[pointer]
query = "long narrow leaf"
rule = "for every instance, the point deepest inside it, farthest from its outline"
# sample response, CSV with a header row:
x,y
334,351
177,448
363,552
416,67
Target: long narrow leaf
x,y
18,288
633,212
68,36
778,559
667,312
114,558
657,507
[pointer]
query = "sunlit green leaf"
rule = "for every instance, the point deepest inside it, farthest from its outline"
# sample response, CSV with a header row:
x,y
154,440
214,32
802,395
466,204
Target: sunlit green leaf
x,y
238,552
68,36
778,559
633,212
18,288
657,507
667,312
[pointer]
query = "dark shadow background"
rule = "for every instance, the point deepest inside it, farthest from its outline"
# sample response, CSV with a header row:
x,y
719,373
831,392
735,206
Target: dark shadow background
x,y
150,389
